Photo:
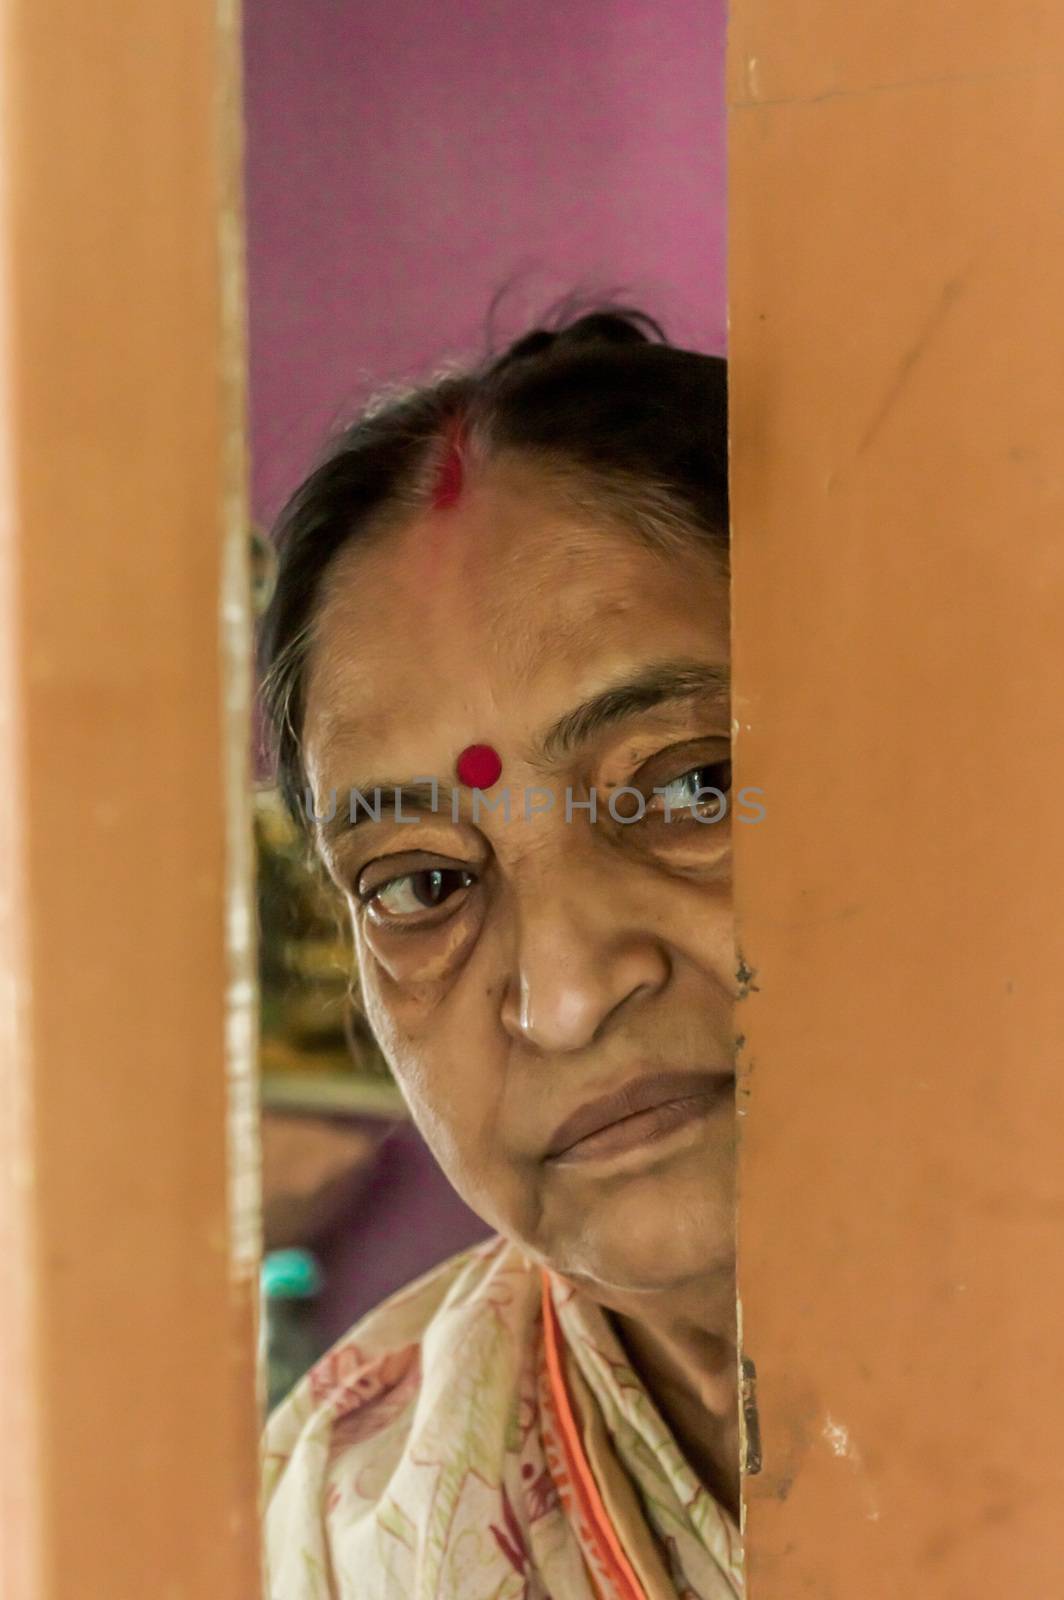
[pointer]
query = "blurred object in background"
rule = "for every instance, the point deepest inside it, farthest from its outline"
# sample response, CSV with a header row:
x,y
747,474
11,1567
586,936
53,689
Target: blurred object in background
x,y
317,1052
305,955
313,1170
291,1282
367,1196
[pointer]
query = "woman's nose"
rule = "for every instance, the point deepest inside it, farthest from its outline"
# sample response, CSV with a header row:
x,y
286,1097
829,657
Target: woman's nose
x,y
579,960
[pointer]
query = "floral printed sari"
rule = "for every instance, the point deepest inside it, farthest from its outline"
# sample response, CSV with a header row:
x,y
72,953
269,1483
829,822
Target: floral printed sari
x,y
482,1436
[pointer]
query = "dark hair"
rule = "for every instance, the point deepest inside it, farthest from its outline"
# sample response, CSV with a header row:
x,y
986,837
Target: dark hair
x,y
602,401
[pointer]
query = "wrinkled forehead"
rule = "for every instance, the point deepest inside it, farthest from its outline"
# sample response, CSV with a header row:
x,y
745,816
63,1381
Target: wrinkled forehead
x,y
492,609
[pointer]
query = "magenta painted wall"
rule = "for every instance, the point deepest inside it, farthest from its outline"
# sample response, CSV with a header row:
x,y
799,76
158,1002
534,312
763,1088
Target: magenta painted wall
x,y
407,158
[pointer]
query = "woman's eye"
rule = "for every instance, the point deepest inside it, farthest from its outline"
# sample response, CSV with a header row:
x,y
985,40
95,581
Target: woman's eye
x,y
687,791
414,892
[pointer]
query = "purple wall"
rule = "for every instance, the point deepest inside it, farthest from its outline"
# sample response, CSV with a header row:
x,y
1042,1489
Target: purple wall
x,y
405,159
406,1219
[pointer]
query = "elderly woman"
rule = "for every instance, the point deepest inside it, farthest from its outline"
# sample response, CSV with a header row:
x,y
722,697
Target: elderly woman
x,y
496,664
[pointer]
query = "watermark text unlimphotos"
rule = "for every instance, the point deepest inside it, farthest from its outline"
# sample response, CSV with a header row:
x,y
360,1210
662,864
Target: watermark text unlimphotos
x,y
623,805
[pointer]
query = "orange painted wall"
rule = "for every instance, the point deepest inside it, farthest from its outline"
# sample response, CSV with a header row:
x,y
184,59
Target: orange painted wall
x,y
896,272
127,1194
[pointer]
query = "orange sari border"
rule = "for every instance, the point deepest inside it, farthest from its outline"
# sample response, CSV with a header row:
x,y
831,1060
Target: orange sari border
x,y
608,1545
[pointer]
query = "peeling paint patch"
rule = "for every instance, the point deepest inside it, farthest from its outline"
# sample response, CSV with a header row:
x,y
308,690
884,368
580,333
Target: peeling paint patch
x,y
838,1437
751,1430
842,1445
745,976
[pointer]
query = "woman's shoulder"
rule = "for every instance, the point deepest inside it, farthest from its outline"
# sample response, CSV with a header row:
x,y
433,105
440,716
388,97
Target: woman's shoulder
x,y
355,1407
385,1337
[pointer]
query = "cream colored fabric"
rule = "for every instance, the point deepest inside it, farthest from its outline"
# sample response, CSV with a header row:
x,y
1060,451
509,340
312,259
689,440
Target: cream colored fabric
x,y
420,1458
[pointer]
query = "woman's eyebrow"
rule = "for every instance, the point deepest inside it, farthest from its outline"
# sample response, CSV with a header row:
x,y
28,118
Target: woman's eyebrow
x,y
383,800
652,686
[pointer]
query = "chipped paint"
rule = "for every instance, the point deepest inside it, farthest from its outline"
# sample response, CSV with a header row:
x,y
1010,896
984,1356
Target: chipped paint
x,y
749,1422
838,1438
745,976
841,1444
751,1430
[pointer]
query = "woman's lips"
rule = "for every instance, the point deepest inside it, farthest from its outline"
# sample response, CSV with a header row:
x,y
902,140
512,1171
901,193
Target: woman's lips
x,y
642,1111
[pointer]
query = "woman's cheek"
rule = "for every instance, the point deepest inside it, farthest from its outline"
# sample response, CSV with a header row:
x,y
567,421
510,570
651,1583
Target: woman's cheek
x,y
702,847
420,966
429,956
438,1075
703,928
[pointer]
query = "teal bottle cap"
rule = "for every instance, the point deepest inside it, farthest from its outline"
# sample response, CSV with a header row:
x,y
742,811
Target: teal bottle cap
x,y
290,1275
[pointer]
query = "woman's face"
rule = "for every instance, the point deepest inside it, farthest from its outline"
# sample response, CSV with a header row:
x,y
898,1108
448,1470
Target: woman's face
x,y
520,971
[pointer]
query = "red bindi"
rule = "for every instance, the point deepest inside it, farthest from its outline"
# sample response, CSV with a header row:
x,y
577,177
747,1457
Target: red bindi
x,y
479,766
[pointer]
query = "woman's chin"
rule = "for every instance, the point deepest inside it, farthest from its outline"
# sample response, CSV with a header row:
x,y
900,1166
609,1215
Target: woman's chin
x,y
653,1237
